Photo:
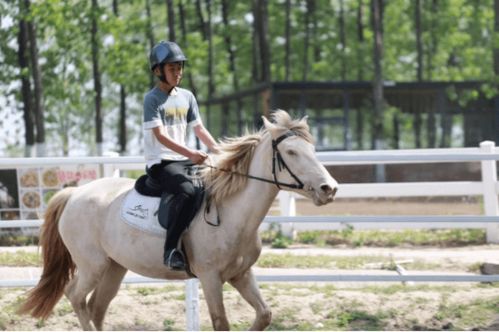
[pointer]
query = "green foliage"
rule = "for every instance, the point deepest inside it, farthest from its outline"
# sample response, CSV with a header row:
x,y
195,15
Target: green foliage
x,y
437,237
20,258
458,39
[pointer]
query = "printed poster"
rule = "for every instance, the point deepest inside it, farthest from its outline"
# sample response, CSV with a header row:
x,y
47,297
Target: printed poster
x,y
25,192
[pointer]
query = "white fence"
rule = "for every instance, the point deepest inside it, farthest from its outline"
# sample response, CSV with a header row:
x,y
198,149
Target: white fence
x,y
487,154
487,188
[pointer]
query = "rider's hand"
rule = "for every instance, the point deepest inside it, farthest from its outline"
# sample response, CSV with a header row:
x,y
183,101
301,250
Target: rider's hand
x,y
198,157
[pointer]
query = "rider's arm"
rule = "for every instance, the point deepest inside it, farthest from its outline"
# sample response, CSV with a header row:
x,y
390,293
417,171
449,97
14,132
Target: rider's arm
x,y
163,137
204,135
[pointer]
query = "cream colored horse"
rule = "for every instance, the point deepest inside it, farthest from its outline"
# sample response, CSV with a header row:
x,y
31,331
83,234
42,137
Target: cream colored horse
x,y
87,248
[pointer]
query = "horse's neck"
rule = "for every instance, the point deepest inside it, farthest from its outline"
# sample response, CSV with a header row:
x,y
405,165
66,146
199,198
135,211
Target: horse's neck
x,y
251,204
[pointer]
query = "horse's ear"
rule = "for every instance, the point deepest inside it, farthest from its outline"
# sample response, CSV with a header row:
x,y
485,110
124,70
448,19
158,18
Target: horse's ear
x,y
267,124
304,119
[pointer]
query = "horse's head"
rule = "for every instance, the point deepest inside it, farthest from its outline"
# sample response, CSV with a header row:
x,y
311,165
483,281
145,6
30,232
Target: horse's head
x,y
295,161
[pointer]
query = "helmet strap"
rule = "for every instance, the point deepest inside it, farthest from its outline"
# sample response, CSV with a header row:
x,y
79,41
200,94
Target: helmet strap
x,y
161,75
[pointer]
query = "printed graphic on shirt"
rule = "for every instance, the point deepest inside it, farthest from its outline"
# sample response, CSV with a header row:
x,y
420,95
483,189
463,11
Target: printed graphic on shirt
x,y
176,112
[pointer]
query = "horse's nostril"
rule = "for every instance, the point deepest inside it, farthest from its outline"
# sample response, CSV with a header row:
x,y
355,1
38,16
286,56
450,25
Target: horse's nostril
x,y
334,191
326,188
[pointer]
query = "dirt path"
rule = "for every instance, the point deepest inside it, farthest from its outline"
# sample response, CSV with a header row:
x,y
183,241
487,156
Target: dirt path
x,y
304,306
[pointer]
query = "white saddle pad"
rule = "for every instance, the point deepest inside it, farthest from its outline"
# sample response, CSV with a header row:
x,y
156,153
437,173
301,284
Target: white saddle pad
x,y
141,212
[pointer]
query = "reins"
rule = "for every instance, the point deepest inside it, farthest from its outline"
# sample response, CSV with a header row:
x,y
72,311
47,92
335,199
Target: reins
x,y
276,160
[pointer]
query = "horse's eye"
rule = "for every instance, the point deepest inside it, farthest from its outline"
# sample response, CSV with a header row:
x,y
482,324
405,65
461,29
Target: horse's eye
x,y
291,152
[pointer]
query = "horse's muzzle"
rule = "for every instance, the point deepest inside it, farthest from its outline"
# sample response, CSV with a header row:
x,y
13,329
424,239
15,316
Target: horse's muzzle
x,y
325,194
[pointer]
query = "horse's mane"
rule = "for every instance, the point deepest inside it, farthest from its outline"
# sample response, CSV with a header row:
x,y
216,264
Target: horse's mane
x,y
236,154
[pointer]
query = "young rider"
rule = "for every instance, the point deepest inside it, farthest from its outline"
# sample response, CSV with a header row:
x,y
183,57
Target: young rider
x,y
168,110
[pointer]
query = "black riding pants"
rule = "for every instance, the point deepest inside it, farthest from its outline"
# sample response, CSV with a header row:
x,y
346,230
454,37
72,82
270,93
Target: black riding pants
x,y
173,179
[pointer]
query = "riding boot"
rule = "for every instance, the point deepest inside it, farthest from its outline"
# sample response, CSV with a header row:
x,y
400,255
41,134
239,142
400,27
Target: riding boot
x,y
173,257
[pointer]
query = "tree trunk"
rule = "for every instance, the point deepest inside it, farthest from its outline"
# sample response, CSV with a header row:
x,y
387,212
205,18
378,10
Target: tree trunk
x,y
29,129
287,38
378,103
232,61
341,23
496,61
150,37
262,22
315,34
97,78
307,40
171,19
255,59
122,121
202,23
228,44
360,74
209,36
37,80
419,44
432,49
361,41
496,32
183,31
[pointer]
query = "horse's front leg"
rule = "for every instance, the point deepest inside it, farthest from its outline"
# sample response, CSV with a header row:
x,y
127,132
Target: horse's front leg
x,y
247,286
213,291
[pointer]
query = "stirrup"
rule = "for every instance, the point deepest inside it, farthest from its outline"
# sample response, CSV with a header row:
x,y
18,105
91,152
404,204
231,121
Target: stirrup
x,y
175,263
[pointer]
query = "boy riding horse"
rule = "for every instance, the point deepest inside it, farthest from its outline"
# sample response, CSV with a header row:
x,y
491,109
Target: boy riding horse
x,y
168,110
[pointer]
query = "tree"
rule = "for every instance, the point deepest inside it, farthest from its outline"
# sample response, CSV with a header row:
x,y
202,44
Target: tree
x,y
419,69
149,36
378,101
209,38
171,20
38,88
185,44
360,71
123,116
287,38
306,42
341,23
260,21
97,76
29,129
496,43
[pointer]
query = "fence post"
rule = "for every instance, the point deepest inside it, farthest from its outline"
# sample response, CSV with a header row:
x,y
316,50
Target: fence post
x,y
192,304
287,206
489,180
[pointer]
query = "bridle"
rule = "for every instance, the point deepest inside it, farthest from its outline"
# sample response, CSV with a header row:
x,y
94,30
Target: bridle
x,y
278,161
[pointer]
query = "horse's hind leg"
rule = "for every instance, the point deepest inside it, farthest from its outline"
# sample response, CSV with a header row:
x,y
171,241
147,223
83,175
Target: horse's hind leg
x,y
106,290
248,288
80,286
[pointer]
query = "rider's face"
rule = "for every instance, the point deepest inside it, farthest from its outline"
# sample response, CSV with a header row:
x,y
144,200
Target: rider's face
x,y
173,73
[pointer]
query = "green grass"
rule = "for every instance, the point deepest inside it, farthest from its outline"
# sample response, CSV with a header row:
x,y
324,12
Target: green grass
x,y
20,258
376,238
319,261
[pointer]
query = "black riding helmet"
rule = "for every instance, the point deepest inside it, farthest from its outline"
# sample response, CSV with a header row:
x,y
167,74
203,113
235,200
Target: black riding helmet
x,y
165,52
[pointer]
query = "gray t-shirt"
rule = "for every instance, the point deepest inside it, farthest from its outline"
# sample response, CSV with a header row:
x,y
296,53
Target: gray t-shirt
x,y
174,111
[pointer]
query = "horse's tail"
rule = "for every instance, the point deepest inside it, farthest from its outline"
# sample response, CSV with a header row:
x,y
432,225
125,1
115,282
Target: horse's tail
x,y
58,266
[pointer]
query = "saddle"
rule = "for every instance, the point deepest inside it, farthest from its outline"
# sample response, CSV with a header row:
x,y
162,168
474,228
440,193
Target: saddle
x,y
147,186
